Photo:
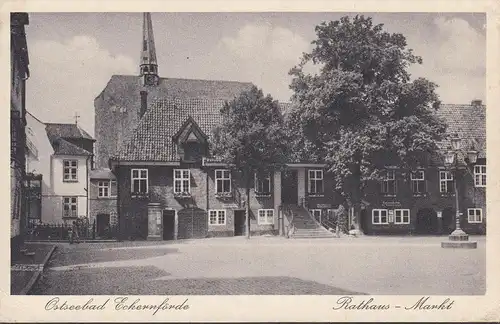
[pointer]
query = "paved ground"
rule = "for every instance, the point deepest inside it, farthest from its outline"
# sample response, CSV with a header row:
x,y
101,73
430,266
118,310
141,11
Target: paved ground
x,y
24,267
372,265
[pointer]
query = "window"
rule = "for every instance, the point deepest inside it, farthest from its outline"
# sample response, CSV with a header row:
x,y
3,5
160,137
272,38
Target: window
x,y
70,170
315,181
263,184
475,215
217,217
402,216
445,182
104,189
139,181
70,207
222,181
266,216
389,183
480,175
418,181
379,216
181,181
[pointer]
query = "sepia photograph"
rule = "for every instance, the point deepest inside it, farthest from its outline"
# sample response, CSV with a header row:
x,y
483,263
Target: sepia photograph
x,y
248,153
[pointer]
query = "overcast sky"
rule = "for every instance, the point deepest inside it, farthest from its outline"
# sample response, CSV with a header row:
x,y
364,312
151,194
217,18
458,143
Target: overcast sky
x,y
73,55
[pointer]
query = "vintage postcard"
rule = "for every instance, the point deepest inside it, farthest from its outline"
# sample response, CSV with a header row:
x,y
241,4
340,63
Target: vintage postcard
x,y
250,161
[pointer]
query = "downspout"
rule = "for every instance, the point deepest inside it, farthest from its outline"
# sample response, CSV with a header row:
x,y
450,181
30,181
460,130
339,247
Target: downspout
x,y
87,188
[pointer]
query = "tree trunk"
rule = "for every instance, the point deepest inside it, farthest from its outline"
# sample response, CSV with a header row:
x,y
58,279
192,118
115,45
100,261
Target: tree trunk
x,y
247,205
356,199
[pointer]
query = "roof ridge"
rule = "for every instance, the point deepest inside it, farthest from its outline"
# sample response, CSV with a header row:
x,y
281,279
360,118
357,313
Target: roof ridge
x,y
35,117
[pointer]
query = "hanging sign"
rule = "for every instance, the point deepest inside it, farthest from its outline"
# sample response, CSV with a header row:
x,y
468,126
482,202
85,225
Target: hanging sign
x,y
439,214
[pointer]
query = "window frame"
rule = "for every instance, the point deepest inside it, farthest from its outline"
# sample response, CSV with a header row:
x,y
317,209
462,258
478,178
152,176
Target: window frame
x,y
70,167
402,216
103,184
269,219
181,180
447,180
474,221
415,182
259,183
385,183
380,216
70,203
217,217
138,178
479,175
312,176
222,179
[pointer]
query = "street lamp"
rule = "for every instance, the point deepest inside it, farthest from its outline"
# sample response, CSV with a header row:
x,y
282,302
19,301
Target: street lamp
x,y
458,238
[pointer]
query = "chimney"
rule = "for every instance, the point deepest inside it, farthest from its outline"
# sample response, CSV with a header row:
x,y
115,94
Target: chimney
x,y
476,102
144,103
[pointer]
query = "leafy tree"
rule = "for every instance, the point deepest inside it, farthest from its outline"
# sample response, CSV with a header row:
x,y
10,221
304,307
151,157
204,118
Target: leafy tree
x,y
361,111
251,138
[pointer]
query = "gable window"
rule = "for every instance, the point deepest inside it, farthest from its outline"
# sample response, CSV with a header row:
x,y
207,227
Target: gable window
x,y
70,207
182,181
445,182
379,216
217,217
389,183
139,183
401,216
263,184
480,175
222,181
475,215
315,181
418,181
104,189
266,216
70,170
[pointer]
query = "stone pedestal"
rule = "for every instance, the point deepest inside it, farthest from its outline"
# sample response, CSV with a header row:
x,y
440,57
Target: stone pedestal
x,y
155,226
459,240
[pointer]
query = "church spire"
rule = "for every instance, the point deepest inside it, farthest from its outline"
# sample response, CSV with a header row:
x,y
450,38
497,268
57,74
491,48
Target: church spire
x,y
148,64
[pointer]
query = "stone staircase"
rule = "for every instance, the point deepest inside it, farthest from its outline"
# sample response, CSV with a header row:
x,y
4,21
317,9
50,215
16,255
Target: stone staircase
x,y
305,226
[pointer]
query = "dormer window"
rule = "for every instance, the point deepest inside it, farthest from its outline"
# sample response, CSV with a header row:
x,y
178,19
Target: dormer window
x,y
191,141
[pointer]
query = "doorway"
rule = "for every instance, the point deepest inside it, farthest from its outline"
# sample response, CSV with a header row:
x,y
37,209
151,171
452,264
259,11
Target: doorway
x,y
102,224
427,222
239,223
168,224
289,187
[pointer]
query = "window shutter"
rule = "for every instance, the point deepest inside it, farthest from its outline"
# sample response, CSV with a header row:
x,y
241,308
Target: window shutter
x,y
114,188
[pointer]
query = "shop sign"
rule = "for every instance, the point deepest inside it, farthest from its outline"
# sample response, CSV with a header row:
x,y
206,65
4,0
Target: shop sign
x,y
391,216
324,205
231,205
439,214
391,204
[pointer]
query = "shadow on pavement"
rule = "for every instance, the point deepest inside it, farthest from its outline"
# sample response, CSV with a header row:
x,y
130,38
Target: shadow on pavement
x,y
71,256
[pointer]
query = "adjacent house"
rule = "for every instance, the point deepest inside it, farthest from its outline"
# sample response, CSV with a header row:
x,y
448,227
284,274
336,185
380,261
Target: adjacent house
x,y
103,202
19,74
58,165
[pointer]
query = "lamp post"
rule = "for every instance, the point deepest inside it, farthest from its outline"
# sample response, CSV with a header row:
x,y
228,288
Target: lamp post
x,y
458,238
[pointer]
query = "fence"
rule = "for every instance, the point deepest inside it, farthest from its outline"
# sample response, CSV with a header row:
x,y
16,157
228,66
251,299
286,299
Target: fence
x,y
37,231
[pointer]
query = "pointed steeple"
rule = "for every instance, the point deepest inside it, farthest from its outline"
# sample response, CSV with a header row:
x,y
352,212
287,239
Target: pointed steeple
x,y
148,64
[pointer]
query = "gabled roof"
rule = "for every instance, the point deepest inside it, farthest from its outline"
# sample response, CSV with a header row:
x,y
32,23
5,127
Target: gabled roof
x,y
152,140
468,122
63,147
66,131
187,128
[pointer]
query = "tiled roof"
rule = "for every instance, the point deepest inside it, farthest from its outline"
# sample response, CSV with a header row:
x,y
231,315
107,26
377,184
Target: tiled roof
x,y
468,122
101,174
66,131
63,147
152,139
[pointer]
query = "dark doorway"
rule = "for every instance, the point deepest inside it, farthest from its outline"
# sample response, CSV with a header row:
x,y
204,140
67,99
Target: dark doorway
x,y
427,222
289,187
168,224
102,225
364,221
239,222
448,220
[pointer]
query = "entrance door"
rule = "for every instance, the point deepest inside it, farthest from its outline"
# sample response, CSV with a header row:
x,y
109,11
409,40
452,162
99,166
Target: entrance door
x,y
168,224
102,224
427,222
289,187
239,222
